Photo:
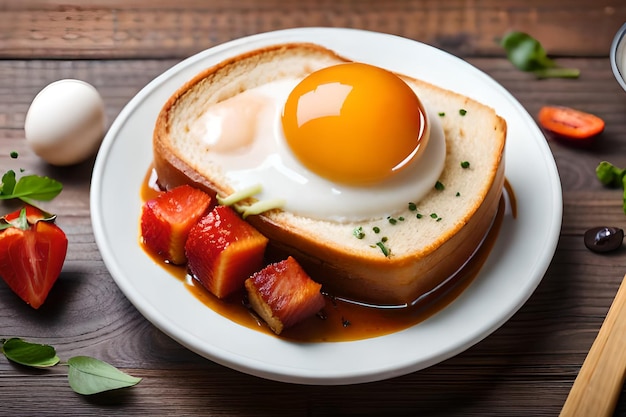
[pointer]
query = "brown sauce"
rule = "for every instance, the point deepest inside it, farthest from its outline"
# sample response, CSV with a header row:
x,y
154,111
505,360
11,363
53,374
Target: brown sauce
x,y
512,201
342,320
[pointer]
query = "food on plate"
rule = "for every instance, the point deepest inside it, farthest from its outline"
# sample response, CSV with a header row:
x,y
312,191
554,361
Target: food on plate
x,y
283,294
385,240
374,104
32,252
167,219
223,251
571,124
65,122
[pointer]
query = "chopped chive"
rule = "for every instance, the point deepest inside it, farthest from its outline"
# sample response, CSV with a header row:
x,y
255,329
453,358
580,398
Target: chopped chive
x,y
376,229
441,114
439,186
465,164
358,232
392,220
439,219
401,219
384,239
458,194
462,112
383,248
433,215
412,206
14,155
419,215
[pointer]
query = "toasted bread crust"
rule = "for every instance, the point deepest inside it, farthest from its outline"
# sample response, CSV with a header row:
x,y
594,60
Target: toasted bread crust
x,y
423,253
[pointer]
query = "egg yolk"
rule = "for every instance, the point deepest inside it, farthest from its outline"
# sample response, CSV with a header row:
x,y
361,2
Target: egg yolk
x,y
353,123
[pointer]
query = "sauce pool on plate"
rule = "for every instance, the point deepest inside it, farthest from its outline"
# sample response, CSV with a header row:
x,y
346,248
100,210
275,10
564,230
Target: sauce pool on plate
x,y
342,320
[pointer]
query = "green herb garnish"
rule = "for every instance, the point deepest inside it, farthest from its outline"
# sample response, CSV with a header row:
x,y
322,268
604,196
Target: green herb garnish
x,y
441,114
419,215
91,376
433,215
86,375
412,206
612,176
29,354
383,248
376,229
13,155
527,54
391,220
240,195
462,112
439,186
358,232
465,164
609,174
28,188
458,194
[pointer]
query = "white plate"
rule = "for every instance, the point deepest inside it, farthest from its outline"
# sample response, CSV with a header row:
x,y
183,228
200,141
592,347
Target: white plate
x,y
515,267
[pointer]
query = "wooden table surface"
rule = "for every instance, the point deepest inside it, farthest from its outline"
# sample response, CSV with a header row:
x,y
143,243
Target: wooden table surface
x,y
526,367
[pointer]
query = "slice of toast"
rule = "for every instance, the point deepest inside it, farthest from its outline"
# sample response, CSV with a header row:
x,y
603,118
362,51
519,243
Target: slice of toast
x,y
426,241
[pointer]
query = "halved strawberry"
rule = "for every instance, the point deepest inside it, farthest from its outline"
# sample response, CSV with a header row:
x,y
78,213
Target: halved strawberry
x,y
167,219
223,251
283,294
32,253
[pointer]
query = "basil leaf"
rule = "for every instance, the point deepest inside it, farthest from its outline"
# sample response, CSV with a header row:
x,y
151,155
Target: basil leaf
x,y
29,354
91,376
527,54
33,187
8,183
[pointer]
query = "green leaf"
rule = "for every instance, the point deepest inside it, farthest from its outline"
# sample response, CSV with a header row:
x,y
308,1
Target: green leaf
x,y
8,183
91,376
22,220
33,187
609,174
527,54
38,188
29,354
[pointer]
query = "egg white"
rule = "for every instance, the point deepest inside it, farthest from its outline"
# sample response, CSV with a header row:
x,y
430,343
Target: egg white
x,y
252,121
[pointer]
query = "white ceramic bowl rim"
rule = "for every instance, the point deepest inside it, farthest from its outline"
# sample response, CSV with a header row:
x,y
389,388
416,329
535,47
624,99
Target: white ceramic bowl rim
x,y
619,46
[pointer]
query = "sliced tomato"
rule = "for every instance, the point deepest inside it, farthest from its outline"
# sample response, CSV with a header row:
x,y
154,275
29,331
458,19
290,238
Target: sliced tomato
x,y
570,123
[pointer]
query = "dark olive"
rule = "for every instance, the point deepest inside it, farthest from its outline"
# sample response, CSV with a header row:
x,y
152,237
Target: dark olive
x,y
603,238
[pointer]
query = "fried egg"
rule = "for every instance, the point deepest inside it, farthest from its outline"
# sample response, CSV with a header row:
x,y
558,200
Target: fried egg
x,y
348,142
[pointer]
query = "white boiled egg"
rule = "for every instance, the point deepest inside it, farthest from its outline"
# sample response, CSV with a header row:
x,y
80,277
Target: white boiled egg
x,y
65,122
347,143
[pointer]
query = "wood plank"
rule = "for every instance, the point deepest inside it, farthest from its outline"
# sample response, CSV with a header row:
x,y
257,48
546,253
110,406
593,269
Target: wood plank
x,y
169,28
528,364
